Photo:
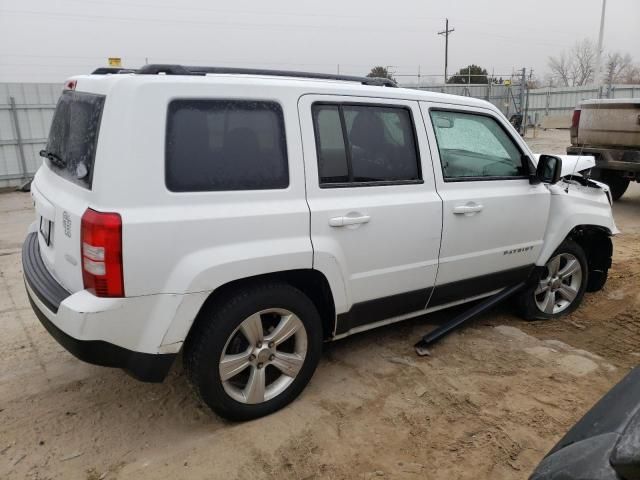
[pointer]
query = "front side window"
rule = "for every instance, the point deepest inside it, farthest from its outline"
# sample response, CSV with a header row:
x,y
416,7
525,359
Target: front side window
x,y
218,145
363,144
475,146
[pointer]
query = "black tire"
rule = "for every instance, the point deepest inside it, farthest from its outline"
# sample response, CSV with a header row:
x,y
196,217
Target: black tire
x,y
597,280
617,183
526,301
205,346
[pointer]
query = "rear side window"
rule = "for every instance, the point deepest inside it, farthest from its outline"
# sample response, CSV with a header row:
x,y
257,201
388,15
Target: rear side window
x,y
73,136
365,144
218,145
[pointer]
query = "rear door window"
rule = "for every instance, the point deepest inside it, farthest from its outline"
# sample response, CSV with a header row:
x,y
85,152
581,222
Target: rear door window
x,y
73,137
365,144
218,145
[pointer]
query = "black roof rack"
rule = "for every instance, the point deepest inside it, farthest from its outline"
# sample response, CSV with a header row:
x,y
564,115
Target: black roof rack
x,y
155,69
108,70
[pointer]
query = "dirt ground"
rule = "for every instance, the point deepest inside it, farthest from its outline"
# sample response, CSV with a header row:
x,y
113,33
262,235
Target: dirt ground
x,y
488,404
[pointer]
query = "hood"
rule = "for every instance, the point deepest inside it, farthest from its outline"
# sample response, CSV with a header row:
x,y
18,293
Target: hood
x,y
572,163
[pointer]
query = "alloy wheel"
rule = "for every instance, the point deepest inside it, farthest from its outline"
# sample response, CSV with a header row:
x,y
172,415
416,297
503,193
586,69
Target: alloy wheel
x,y
263,356
557,290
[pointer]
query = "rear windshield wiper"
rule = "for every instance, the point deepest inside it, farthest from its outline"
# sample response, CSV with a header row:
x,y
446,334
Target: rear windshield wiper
x,y
53,158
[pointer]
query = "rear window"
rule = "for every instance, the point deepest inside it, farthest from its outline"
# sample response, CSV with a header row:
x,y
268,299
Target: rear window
x,y
73,137
218,145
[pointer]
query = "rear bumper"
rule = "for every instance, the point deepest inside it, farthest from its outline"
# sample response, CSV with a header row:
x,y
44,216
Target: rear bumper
x,y
83,323
610,158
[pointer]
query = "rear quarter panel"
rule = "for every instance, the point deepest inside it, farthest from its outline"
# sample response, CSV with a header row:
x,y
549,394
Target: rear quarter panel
x,y
196,241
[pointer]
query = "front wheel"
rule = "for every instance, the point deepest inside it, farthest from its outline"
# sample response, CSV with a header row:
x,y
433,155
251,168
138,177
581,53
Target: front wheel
x,y
559,289
255,353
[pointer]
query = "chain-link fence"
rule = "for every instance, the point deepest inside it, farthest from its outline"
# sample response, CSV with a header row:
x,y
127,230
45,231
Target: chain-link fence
x,y
538,102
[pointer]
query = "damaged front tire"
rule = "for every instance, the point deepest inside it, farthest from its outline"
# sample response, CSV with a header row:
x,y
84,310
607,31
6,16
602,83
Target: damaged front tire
x,y
559,287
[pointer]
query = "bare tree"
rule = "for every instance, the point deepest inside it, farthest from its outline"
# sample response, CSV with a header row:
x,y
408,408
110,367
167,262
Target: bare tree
x,y
585,55
617,66
631,75
561,68
577,66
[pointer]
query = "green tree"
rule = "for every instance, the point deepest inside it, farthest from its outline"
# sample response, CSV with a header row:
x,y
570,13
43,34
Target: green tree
x,y
380,72
472,72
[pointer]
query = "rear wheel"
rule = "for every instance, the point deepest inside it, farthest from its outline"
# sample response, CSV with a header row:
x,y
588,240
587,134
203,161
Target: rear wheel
x,y
560,287
255,353
617,183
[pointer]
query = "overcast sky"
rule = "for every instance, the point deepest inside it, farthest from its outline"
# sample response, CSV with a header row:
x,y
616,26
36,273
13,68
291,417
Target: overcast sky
x,y
50,40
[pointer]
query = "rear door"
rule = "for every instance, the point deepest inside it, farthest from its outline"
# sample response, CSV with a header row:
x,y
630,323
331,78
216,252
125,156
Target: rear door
x,y
375,214
62,187
494,220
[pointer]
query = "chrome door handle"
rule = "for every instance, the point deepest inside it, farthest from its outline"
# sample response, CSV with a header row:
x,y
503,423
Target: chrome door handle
x,y
468,208
347,220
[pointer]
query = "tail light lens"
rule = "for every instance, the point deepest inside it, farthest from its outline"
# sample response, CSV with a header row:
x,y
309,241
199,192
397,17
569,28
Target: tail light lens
x,y
101,237
575,122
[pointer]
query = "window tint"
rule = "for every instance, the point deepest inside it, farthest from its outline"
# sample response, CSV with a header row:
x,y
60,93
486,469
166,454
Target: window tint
x,y
73,136
474,146
216,145
380,144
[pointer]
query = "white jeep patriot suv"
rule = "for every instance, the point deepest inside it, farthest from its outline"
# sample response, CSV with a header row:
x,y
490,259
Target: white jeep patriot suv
x,y
244,217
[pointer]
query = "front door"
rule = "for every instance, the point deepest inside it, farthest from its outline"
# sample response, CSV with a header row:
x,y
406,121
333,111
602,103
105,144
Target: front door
x,y
375,215
494,220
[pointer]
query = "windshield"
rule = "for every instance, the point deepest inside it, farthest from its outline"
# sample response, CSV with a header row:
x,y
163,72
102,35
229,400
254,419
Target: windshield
x,y
73,136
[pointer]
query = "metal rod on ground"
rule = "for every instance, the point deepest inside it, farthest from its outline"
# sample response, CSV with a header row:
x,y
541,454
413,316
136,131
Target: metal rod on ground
x,y
483,306
23,160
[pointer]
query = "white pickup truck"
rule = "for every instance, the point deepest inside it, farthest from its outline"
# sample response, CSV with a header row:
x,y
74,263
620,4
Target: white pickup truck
x,y
610,131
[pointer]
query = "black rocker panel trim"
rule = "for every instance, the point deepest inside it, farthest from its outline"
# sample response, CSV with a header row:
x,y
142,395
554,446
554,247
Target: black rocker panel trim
x,y
470,287
372,311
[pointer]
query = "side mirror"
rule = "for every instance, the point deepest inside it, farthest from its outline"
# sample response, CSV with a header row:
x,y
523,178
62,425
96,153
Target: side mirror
x,y
548,169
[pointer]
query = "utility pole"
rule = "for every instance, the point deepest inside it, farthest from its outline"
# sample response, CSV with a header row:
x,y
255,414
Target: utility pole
x,y
446,33
523,82
526,104
596,74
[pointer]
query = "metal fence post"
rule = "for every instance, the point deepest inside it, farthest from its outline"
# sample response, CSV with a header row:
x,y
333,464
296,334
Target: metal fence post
x,y
547,101
16,124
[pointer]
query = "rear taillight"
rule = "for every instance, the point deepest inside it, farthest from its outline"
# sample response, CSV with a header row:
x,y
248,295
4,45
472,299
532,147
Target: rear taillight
x,y
70,85
101,243
575,122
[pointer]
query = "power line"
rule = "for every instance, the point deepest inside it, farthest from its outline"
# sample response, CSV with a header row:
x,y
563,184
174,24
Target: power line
x,y
446,33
